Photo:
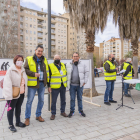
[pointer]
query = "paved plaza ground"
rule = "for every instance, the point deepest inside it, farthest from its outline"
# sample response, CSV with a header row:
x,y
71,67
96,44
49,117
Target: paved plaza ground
x,y
100,123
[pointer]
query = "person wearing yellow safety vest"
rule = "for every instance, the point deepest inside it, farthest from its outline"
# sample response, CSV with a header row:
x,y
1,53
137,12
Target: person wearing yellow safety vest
x,y
110,72
127,75
57,84
37,71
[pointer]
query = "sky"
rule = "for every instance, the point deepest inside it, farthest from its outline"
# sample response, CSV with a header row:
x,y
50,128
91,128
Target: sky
x,y
57,7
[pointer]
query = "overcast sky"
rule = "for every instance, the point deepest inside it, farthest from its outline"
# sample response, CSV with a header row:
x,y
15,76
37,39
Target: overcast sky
x,y
57,7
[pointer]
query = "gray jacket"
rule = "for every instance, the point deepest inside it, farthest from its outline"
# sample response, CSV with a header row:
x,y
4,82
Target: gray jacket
x,y
83,73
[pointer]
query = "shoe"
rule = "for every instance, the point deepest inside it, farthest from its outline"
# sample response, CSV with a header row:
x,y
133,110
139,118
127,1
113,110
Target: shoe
x,y
112,101
64,114
27,122
40,119
130,87
107,103
82,113
12,128
52,117
71,114
20,124
127,95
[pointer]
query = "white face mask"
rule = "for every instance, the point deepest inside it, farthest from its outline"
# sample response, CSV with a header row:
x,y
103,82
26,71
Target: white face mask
x,y
19,63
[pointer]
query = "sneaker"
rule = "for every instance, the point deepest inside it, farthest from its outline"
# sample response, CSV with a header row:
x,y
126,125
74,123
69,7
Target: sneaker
x,y
107,103
71,114
82,113
112,101
12,128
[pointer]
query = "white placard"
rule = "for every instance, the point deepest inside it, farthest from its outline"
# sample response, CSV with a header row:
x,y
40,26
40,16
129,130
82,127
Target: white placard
x,y
6,63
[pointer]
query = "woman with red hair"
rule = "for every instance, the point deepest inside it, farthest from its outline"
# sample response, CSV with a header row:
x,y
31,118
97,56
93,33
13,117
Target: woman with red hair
x,y
15,80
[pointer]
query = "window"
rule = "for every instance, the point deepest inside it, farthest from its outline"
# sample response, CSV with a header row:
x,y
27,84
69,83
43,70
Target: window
x,y
26,25
30,12
34,13
34,39
34,20
61,25
73,33
30,51
58,36
34,26
30,32
26,18
64,42
30,25
61,36
26,44
61,47
73,38
58,25
34,32
64,26
31,44
59,41
59,31
58,47
30,38
64,31
30,19
26,37
26,51
26,31
45,39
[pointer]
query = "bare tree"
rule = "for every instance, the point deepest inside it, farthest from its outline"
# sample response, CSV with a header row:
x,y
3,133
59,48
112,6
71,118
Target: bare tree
x,y
9,36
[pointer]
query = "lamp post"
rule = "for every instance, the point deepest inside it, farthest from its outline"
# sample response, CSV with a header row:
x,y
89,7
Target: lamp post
x,y
49,29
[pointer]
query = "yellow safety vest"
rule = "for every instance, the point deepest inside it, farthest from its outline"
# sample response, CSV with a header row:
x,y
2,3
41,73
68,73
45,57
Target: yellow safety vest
x,y
32,81
129,75
110,76
55,81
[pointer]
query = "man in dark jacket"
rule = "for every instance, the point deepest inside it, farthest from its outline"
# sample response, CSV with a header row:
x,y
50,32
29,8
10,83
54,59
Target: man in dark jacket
x,y
37,71
96,71
110,78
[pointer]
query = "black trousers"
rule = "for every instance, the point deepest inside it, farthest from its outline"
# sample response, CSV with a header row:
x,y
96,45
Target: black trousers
x,y
55,92
15,105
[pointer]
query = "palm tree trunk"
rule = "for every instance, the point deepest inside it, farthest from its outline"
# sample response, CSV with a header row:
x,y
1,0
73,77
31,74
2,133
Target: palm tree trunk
x,y
94,91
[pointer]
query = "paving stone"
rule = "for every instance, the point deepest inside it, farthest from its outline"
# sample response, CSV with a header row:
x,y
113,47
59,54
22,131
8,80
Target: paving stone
x,y
81,137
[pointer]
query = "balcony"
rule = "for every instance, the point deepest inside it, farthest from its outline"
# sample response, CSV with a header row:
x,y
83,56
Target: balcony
x,y
52,25
53,49
40,29
52,32
15,10
21,26
40,23
21,32
40,35
14,3
53,43
21,19
21,39
40,42
15,17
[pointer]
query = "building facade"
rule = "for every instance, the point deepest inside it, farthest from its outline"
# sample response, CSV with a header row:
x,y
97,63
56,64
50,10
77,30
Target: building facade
x,y
34,31
116,47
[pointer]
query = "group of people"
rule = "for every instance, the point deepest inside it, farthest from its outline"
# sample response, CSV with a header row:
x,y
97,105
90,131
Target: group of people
x,y
110,72
35,76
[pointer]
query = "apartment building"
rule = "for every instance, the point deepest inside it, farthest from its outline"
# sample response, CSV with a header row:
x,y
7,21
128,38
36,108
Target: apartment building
x,y
9,19
76,40
116,47
34,31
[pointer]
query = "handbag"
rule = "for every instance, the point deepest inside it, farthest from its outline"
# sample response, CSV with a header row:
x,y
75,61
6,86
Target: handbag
x,y
16,90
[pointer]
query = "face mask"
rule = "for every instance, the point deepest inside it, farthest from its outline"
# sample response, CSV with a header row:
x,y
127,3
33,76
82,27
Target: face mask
x,y
113,59
19,63
76,63
57,61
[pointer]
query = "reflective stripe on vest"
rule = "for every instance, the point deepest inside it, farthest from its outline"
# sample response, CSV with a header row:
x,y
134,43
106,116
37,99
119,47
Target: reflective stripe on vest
x,y
32,81
129,75
56,77
110,76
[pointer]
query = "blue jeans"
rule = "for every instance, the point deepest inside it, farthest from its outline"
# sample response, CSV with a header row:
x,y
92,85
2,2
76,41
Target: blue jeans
x,y
126,86
109,91
30,98
73,91
96,73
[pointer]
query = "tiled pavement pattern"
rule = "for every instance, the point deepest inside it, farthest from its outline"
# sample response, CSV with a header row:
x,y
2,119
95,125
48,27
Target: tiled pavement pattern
x,y
100,123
